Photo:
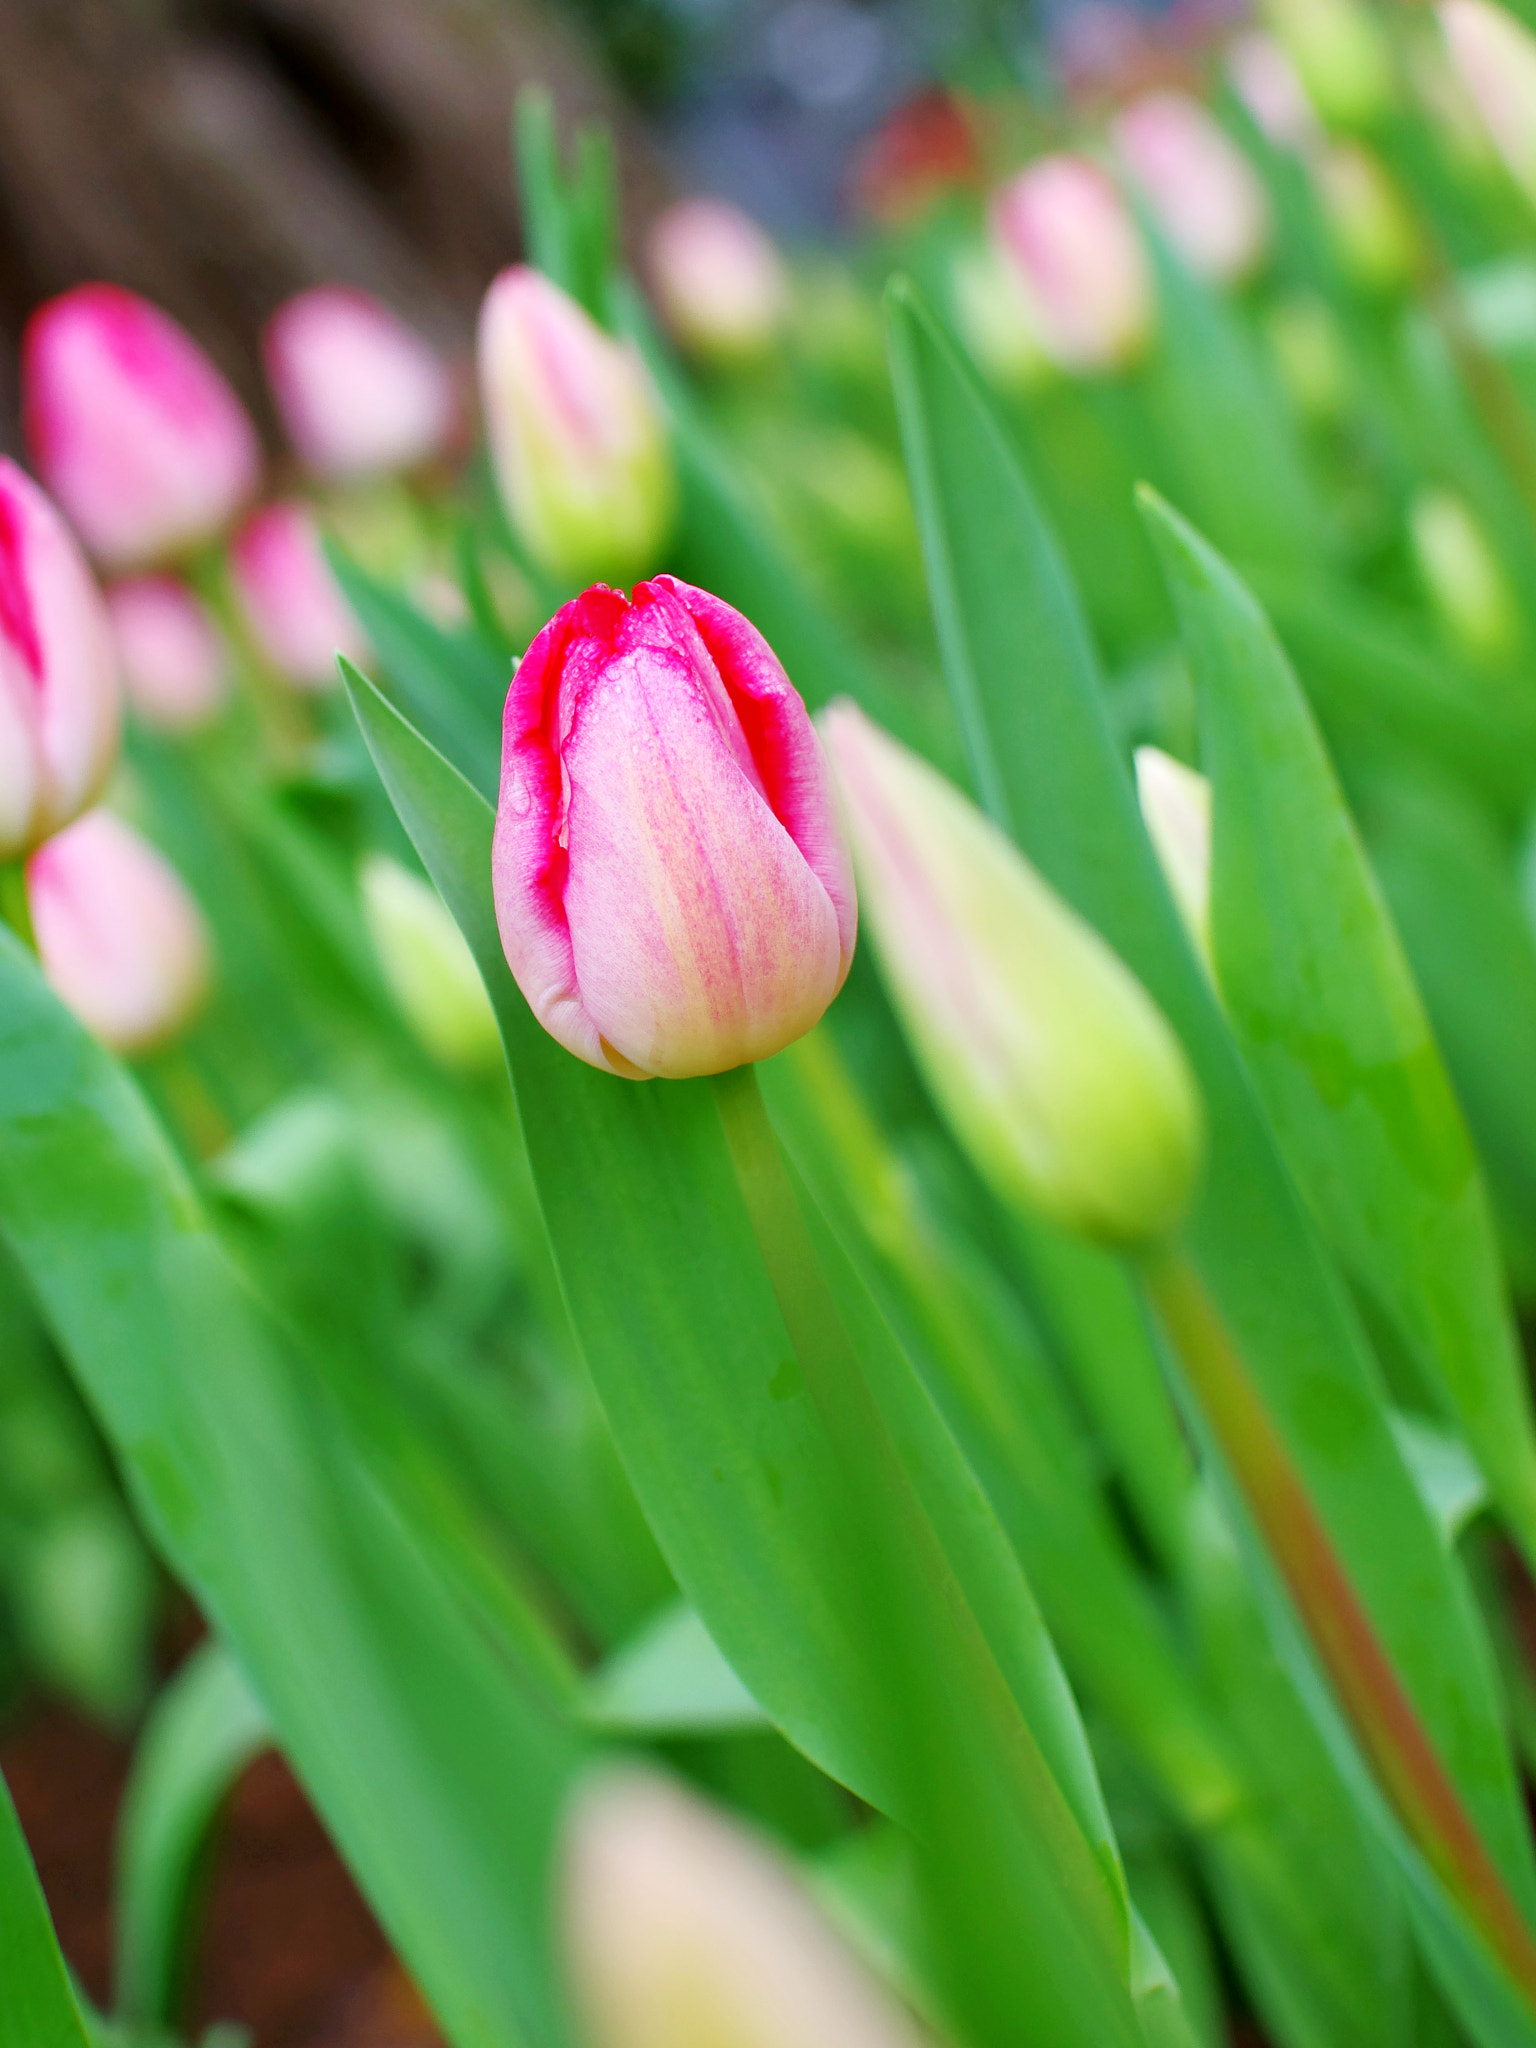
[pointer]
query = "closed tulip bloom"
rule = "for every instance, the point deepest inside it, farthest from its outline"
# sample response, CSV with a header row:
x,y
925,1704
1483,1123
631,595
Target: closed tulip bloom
x,y
576,433
170,654
1372,228
671,882
360,393
1176,810
1341,55
1082,264
718,279
132,428
1496,57
683,1930
59,711
1464,578
119,937
1206,195
1050,1061
427,963
289,598
1269,86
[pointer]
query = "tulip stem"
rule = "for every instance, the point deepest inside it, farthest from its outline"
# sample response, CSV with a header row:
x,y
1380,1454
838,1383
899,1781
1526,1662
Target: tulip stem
x,y
14,907
1375,1700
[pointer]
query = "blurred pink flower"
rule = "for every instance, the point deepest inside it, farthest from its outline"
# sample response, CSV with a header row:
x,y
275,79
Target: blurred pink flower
x,y
291,601
1205,194
173,661
360,392
59,712
719,280
1081,261
131,427
119,937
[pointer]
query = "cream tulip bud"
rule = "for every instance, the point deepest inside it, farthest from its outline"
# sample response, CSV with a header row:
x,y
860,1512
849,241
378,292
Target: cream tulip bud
x,y
718,279
1081,262
1176,810
1496,57
683,1930
576,433
1051,1063
428,965
1205,194
1464,578
59,713
994,317
172,657
119,937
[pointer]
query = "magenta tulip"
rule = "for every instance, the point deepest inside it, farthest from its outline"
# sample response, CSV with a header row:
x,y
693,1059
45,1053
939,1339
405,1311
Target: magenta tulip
x,y
291,601
360,392
58,688
119,937
173,662
132,428
672,886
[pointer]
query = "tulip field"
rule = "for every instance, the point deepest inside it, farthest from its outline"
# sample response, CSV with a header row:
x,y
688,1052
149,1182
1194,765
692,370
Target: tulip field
x,y
768,1086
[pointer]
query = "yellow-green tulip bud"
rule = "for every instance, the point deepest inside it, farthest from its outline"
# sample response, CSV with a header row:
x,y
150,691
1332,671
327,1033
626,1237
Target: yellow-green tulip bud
x,y
1464,578
1051,1063
1496,57
1341,56
1176,810
1372,229
428,966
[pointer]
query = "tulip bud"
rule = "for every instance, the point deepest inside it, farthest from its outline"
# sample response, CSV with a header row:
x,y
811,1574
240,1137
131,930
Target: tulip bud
x,y
1372,228
428,965
1463,576
173,662
1206,195
1267,83
1048,1058
58,690
1496,57
1082,264
120,940
1341,55
995,319
683,1930
132,428
1176,810
1310,354
671,882
576,434
289,598
360,393
719,280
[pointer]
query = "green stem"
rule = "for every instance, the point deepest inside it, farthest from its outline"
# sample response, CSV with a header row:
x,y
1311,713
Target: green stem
x,y
14,908
1378,1705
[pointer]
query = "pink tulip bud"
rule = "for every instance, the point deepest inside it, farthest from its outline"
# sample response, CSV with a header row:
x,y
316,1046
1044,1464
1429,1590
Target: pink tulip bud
x,y
291,601
131,427
576,433
1496,57
58,690
1081,261
1206,195
671,882
1270,87
719,280
120,939
173,663
360,393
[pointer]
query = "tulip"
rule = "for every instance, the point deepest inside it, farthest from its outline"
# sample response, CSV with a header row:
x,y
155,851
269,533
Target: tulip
x,y
58,688
1310,354
120,940
995,318
1206,195
1048,1058
1465,580
173,662
1372,228
1267,83
576,434
671,883
428,965
132,428
1341,56
289,598
1496,57
684,1930
360,393
1176,810
1082,265
719,280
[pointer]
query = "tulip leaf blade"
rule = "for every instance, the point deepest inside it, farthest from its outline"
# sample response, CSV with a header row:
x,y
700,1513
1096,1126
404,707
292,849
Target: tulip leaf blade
x,y
257,1502
1074,815
40,2008
1319,991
